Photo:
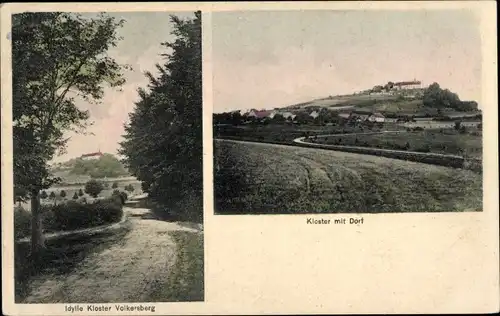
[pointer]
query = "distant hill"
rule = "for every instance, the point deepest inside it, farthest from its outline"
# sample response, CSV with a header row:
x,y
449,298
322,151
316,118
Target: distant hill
x,y
431,100
107,166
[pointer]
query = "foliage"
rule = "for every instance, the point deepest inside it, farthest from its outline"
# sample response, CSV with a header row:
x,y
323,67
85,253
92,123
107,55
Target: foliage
x,y
75,196
80,192
121,195
44,195
93,188
115,185
52,195
163,141
69,216
439,98
57,59
63,194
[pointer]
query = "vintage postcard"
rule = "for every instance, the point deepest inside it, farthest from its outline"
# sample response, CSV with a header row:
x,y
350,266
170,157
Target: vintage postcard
x,y
249,158
347,112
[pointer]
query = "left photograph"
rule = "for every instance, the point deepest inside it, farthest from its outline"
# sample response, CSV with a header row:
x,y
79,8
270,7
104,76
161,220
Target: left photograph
x,y
107,157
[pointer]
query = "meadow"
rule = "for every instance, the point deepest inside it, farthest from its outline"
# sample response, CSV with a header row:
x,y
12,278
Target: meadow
x,y
257,178
442,141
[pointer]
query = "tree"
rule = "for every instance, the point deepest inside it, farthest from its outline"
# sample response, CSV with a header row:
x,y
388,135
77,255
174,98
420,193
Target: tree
x,y
439,98
75,196
63,194
57,58
44,195
52,195
115,185
163,141
129,188
458,125
80,192
93,188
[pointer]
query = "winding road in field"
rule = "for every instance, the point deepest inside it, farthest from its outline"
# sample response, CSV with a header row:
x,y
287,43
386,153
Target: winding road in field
x,y
125,271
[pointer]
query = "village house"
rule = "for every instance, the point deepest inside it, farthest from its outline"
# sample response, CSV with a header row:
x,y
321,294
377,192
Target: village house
x,y
376,117
288,115
314,114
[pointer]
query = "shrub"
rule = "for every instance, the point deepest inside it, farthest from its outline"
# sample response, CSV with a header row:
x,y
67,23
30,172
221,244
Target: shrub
x,y
130,187
44,195
75,196
93,188
115,185
74,215
52,195
119,196
80,192
63,194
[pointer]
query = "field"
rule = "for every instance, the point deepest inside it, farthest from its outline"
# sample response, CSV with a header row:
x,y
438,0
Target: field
x,y
253,178
286,133
447,141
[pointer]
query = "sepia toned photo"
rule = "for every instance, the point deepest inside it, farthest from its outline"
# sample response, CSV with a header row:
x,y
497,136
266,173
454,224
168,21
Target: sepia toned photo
x,y
249,158
107,158
347,112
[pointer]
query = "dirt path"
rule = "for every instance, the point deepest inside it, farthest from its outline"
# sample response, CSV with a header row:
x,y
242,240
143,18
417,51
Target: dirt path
x,y
126,271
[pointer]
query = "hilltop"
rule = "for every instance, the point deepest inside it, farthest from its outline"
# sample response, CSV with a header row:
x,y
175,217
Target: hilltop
x,y
102,166
399,98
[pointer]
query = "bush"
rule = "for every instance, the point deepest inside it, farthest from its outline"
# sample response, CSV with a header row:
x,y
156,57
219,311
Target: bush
x,y
63,194
115,185
119,196
93,188
74,215
75,196
52,195
80,192
44,195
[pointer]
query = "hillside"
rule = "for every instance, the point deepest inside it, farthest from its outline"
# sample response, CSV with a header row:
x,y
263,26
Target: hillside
x,y
107,166
429,101
253,178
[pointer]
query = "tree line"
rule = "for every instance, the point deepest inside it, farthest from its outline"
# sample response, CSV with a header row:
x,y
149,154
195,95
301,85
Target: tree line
x,y
163,141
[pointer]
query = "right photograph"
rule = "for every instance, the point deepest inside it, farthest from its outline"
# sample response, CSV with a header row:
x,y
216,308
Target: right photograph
x,y
318,112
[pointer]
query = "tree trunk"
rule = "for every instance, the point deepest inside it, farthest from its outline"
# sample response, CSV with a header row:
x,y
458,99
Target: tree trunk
x,y
37,240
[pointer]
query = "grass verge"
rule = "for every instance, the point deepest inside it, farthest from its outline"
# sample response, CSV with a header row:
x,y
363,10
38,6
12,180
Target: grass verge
x,y
186,281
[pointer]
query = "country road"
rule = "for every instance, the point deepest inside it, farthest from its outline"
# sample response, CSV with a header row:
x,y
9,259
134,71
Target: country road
x,y
132,267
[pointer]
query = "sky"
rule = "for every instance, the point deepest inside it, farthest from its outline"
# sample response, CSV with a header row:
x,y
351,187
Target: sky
x,y
267,59
142,33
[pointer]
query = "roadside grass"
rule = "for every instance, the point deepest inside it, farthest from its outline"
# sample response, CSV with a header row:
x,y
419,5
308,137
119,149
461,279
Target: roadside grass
x,y
186,281
273,179
60,258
